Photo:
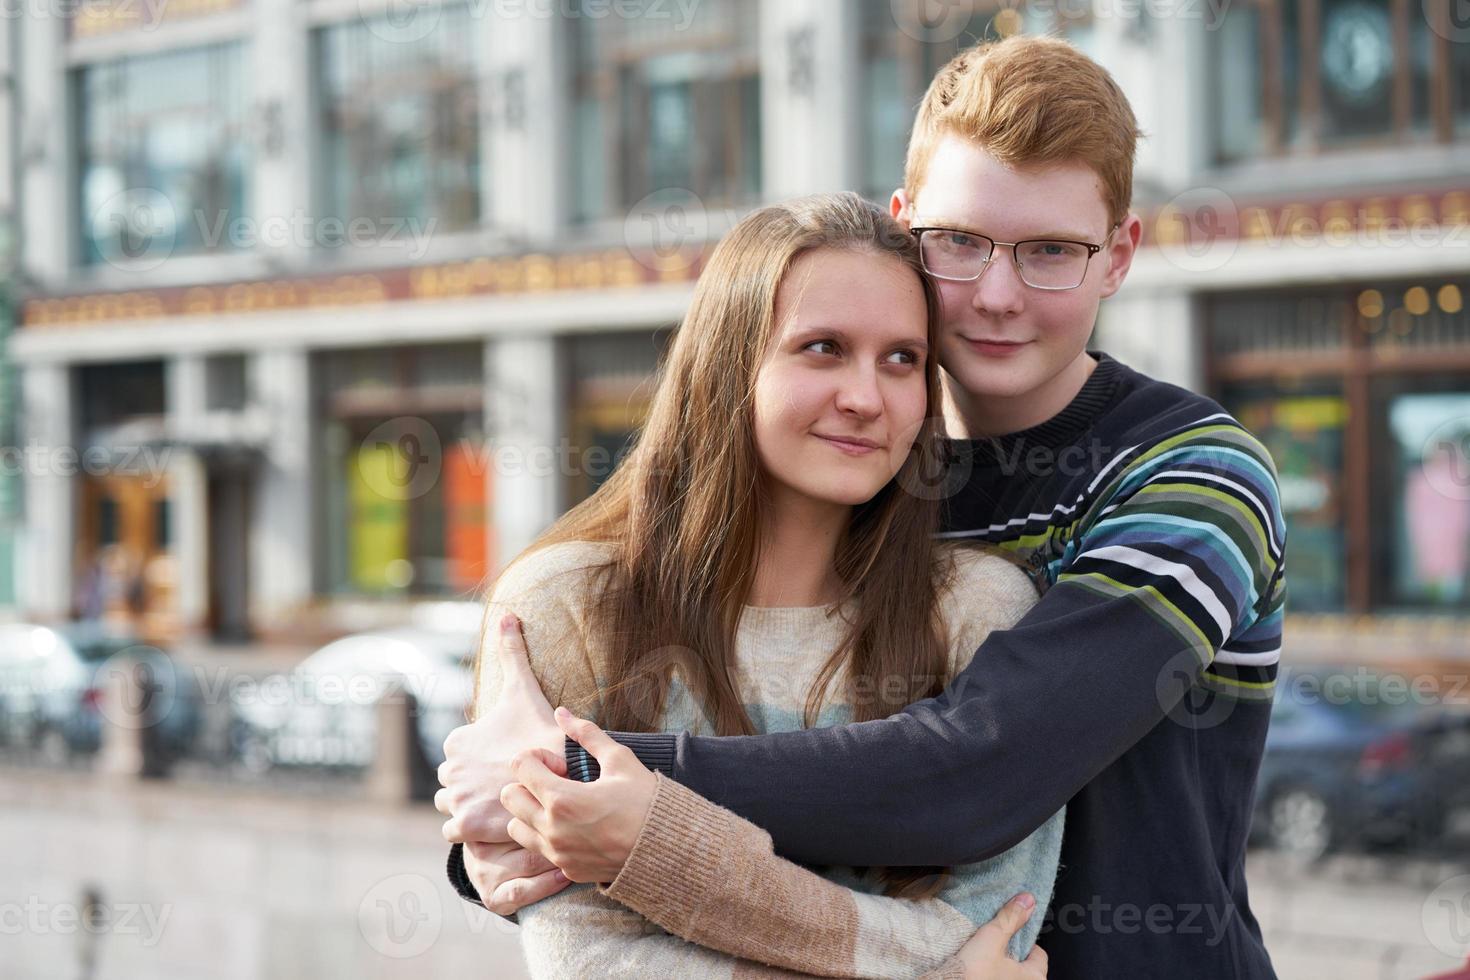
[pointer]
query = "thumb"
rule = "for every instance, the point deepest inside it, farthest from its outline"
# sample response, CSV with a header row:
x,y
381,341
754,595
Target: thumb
x,y
1007,922
510,651
590,737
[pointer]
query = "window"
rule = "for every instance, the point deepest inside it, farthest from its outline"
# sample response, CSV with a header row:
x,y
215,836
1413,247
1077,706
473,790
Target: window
x,y
405,470
900,60
659,106
1362,395
161,154
400,123
1296,76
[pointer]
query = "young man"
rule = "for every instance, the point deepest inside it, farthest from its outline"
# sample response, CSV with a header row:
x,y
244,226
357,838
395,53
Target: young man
x,y
1138,690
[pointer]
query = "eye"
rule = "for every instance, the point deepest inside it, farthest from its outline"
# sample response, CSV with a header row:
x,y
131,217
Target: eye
x,y
831,345
904,356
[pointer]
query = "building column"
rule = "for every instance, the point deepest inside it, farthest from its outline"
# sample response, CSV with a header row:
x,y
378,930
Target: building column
x,y
52,461
1154,332
524,423
184,406
43,155
282,544
810,125
523,139
281,122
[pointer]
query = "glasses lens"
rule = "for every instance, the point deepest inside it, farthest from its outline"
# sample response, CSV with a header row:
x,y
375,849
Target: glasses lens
x,y
954,254
1052,265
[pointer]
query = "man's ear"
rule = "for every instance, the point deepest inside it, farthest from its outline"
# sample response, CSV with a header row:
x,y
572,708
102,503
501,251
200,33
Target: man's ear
x,y
901,208
1120,252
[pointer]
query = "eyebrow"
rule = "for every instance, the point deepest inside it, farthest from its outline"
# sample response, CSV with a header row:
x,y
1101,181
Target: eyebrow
x,y
1065,236
825,330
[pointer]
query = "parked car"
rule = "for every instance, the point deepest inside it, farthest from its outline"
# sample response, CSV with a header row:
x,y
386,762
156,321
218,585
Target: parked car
x,y
52,681
1350,759
324,713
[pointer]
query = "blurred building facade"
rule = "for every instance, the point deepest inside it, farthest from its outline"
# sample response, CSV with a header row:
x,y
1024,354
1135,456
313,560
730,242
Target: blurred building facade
x,y
330,307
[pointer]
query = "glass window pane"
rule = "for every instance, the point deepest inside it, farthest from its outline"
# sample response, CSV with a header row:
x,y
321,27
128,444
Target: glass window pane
x,y
1429,494
1357,61
1302,426
659,104
162,158
400,123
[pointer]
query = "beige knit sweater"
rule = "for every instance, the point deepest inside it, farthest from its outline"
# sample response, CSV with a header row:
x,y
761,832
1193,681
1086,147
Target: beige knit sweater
x,y
703,893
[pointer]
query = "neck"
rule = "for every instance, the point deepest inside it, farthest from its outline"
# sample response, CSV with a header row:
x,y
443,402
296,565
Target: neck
x,y
798,547
974,416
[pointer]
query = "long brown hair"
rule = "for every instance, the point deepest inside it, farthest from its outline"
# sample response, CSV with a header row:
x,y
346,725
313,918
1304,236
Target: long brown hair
x,y
684,510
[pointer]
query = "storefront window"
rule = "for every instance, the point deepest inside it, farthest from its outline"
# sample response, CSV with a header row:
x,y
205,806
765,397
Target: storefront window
x,y
1370,434
1302,427
405,470
659,108
612,383
162,158
400,122
1429,487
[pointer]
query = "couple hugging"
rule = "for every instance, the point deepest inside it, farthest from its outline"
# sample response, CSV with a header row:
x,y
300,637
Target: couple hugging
x,y
911,638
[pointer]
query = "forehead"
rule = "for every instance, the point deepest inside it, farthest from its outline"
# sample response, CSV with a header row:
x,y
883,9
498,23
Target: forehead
x,y
964,185
855,287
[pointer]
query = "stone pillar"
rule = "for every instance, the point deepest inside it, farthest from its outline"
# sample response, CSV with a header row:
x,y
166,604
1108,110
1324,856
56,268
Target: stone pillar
x,y
810,114
524,107
184,408
282,541
524,422
52,461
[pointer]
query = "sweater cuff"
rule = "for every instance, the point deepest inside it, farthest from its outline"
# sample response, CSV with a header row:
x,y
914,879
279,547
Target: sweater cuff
x,y
950,969
676,857
655,750
459,877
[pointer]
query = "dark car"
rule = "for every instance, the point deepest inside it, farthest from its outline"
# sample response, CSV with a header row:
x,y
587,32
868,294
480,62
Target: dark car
x,y
1353,757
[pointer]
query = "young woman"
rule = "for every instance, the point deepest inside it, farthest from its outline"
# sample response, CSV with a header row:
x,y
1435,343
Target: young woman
x,y
763,560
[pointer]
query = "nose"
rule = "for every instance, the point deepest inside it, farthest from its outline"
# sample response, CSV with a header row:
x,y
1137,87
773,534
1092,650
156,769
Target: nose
x,y
1000,291
858,393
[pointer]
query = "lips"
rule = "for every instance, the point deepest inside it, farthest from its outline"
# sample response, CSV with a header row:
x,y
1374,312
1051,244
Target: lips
x,y
996,348
853,445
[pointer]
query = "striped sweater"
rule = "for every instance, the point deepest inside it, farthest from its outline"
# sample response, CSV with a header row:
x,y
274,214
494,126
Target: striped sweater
x,y
1137,692
797,922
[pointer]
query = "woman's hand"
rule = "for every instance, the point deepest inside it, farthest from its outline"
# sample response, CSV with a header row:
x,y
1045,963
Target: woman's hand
x,y
585,829
477,756
984,954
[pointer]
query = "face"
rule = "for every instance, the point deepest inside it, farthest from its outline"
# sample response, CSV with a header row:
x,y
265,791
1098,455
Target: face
x,y
841,394
1002,338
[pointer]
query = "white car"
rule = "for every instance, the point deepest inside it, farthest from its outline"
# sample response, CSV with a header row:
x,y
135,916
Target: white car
x,y
324,713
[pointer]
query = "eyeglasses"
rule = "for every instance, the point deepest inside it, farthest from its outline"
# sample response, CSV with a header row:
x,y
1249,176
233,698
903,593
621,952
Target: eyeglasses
x,y
1043,263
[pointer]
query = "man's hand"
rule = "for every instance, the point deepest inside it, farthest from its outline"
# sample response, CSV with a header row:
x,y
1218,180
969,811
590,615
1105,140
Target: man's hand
x,y
477,756
509,877
586,829
984,954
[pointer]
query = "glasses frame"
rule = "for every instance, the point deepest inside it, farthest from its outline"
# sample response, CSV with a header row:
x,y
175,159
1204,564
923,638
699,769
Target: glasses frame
x,y
1092,249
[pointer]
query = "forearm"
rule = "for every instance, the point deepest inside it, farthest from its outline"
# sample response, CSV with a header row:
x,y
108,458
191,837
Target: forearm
x,y
704,874
582,934
940,783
